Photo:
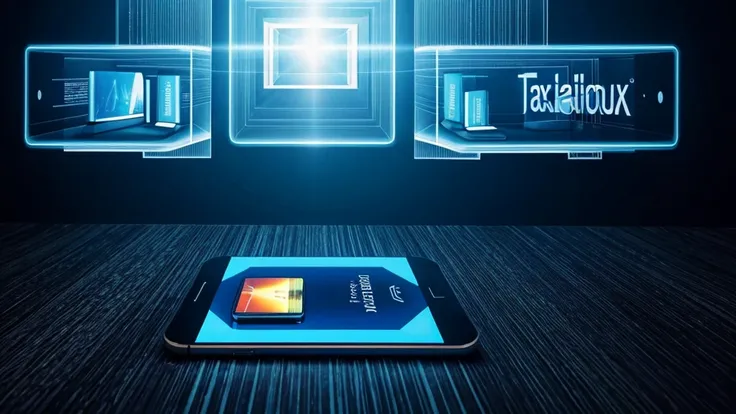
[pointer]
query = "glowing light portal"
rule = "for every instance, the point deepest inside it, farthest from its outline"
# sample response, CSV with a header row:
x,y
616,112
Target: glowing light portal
x,y
316,54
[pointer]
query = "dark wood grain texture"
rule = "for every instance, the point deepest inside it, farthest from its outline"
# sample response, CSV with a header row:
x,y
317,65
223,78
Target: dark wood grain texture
x,y
572,320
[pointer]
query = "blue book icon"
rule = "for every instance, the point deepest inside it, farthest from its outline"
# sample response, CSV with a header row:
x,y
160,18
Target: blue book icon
x,y
453,97
169,96
476,109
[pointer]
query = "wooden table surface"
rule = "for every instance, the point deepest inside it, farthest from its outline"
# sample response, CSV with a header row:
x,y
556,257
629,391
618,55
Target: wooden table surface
x,y
594,320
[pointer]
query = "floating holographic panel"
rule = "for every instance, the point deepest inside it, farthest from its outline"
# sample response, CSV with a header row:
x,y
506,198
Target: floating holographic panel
x,y
117,97
481,99
312,72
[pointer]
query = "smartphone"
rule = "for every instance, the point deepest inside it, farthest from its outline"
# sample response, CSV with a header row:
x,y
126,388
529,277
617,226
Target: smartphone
x,y
320,306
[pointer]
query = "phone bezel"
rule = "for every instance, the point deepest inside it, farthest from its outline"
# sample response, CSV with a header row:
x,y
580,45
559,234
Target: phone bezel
x,y
456,329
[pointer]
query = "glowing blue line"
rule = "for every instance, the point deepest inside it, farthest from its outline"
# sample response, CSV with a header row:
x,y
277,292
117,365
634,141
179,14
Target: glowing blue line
x,y
561,147
90,96
26,127
191,97
119,118
392,136
113,47
556,48
230,74
316,143
677,97
148,100
97,147
436,95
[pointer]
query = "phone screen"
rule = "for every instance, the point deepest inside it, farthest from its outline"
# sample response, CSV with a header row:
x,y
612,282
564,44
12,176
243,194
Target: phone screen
x,y
343,300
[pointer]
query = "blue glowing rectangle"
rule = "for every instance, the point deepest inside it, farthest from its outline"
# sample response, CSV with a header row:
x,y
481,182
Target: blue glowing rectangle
x,y
169,99
558,99
115,96
453,94
476,109
147,95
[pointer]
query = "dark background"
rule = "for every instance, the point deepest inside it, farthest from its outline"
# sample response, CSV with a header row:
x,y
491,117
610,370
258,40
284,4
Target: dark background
x,y
690,185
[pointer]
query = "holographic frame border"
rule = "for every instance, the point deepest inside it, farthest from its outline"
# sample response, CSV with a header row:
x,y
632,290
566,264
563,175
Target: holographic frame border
x,y
391,138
